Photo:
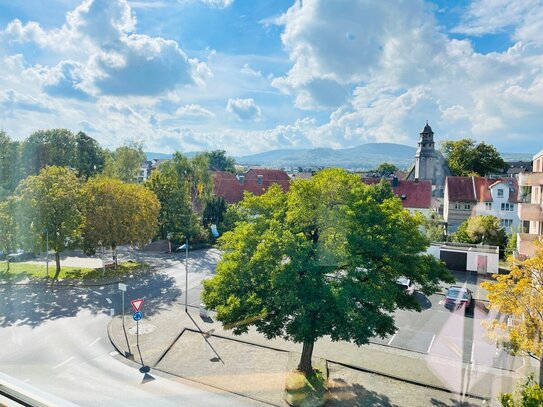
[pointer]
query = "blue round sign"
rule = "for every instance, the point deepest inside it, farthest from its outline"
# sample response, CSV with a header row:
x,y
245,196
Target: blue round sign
x,y
137,316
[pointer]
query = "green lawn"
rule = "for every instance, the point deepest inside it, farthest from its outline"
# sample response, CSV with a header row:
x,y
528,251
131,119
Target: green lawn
x,y
19,271
305,391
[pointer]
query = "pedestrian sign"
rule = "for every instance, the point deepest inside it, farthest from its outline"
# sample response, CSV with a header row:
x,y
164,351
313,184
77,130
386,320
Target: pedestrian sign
x,y
137,315
136,304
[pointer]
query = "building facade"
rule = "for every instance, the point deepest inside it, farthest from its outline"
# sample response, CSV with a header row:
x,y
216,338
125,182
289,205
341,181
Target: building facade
x,y
530,210
471,196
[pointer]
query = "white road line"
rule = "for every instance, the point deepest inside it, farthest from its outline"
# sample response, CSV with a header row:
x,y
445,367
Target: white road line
x,y
96,292
472,358
94,342
108,300
63,363
431,343
391,339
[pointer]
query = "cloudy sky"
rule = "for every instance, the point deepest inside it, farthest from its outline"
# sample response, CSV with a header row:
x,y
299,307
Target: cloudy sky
x,y
252,75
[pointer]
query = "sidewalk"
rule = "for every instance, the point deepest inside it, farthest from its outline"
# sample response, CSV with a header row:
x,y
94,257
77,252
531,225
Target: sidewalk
x,y
188,346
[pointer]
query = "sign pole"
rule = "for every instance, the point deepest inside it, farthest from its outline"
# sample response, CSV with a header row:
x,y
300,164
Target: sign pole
x,y
123,306
186,273
47,252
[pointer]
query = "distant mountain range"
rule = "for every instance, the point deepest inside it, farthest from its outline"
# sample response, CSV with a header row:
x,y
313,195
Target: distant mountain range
x,y
363,157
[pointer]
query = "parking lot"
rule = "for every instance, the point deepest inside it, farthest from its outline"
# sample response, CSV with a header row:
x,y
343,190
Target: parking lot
x,y
456,335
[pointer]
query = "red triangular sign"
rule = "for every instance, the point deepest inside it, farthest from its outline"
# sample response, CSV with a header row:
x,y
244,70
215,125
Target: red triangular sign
x,y
136,304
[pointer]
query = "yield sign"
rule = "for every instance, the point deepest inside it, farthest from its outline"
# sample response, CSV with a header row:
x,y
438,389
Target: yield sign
x,y
136,304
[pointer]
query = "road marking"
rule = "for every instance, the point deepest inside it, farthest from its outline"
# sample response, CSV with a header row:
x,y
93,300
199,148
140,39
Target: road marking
x,y
63,363
96,292
455,348
391,339
114,353
94,342
112,312
431,343
108,300
472,358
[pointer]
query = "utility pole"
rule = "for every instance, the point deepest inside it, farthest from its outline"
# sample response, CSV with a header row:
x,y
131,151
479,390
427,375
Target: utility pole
x,y
186,273
46,252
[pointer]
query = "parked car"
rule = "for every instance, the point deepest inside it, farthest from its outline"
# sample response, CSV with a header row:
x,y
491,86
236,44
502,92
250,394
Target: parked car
x,y
20,255
406,285
458,297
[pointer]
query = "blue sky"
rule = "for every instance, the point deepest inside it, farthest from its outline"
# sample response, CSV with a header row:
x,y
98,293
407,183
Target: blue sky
x,y
253,75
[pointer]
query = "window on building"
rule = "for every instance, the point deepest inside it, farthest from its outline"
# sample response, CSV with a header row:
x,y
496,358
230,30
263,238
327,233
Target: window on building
x,y
488,206
260,179
467,206
508,207
500,193
506,223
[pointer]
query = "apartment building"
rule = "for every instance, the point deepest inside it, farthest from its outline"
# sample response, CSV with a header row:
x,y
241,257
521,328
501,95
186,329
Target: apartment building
x,y
530,210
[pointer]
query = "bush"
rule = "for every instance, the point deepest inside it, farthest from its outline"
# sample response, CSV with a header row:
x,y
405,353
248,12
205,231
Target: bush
x,y
528,394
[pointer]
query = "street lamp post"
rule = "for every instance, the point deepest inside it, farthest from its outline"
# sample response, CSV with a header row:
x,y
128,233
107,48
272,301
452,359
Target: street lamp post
x,y
46,252
186,247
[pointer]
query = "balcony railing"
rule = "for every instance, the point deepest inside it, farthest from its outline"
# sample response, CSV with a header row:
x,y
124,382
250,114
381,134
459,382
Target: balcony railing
x,y
530,179
529,211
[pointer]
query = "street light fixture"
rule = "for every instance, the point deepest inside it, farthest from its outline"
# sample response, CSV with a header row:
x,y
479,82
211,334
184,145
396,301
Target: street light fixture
x,y
186,247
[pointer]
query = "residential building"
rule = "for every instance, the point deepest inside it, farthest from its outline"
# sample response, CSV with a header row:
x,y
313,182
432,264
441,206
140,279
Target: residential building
x,y
430,163
530,210
256,181
147,167
470,196
416,196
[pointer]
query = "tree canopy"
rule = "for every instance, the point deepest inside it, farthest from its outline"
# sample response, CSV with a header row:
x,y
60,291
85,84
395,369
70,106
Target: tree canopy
x,y
519,294
321,259
125,162
8,227
484,229
466,157
219,161
385,169
49,204
118,213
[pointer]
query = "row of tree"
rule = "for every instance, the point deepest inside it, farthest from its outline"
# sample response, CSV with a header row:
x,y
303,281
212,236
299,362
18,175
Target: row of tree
x,y
68,211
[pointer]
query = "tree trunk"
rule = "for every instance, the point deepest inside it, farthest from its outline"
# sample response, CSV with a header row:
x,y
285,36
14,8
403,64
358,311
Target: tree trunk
x,y
7,262
305,361
57,261
541,370
114,247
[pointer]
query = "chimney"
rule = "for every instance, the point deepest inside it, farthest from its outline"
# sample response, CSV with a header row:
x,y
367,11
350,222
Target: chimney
x,y
395,182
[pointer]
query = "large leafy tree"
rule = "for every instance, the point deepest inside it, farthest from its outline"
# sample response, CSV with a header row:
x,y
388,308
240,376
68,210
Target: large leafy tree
x,y
9,165
50,201
219,161
466,157
8,227
90,157
484,229
125,162
55,147
322,259
118,213
385,169
519,294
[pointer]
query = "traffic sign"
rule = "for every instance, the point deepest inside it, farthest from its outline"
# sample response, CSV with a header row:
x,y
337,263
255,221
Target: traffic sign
x,y
136,304
137,315
122,287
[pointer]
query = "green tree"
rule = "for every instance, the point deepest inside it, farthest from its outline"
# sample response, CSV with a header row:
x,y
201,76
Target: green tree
x,y
321,259
385,169
214,211
465,157
529,394
125,162
219,161
90,157
519,294
50,200
482,230
55,147
8,227
9,165
434,228
118,213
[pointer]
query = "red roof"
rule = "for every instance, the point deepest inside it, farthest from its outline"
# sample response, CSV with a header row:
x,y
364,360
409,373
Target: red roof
x,y
414,194
256,181
479,188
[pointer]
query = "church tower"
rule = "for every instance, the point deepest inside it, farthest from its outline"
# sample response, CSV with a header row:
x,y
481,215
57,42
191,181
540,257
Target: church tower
x,y
426,157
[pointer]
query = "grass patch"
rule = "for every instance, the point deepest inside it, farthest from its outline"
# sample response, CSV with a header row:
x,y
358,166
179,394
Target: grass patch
x,y
305,391
19,271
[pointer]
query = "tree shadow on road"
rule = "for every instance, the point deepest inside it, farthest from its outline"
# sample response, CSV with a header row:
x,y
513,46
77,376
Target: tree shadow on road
x,y
423,301
355,395
34,304
452,403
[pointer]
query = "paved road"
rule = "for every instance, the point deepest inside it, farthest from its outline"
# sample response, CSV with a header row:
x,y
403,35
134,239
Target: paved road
x,y
55,339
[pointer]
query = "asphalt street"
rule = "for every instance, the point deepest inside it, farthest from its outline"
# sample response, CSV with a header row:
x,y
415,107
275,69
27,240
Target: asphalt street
x,y
55,339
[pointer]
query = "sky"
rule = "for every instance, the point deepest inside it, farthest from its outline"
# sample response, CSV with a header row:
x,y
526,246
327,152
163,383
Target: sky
x,y
248,76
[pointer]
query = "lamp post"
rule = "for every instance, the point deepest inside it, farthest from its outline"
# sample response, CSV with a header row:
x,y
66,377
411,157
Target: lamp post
x,y
186,247
46,252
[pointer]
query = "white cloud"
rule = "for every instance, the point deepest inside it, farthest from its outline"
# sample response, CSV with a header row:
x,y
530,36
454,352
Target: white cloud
x,y
192,111
247,70
11,101
244,109
211,3
525,17
111,58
